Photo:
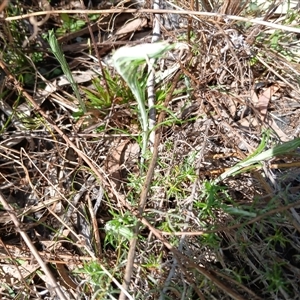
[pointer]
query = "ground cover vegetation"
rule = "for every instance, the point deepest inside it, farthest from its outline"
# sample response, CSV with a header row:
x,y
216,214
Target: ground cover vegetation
x,y
149,154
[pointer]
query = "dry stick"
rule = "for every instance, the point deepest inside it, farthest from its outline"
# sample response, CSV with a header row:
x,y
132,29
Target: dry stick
x,y
33,250
276,73
70,144
189,202
154,11
152,164
14,261
182,258
240,285
232,53
3,5
144,193
95,228
36,24
189,25
97,53
55,127
185,261
151,79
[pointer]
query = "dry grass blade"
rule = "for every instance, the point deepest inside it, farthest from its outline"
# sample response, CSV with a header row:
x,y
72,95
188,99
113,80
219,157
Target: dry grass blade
x,y
186,262
166,11
50,277
38,109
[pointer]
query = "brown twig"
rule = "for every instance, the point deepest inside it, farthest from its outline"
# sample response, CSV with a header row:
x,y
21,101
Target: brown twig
x,y
229,279
97,53
156,36
162,11
3,5
228,42
56,128
145,190
14,261
32,248
185,262
95,228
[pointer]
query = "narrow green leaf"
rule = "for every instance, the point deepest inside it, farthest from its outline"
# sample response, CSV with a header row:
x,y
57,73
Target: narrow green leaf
x,y
275,151
56,50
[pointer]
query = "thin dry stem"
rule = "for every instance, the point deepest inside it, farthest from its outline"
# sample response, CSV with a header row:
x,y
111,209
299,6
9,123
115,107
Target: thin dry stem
x,y
165,11
144,193
25,237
